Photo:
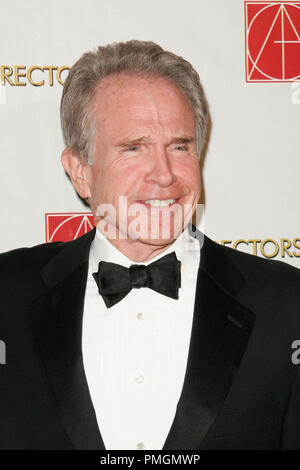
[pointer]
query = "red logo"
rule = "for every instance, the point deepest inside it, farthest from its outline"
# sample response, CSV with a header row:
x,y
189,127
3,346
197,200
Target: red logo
x,y
63,227
272,31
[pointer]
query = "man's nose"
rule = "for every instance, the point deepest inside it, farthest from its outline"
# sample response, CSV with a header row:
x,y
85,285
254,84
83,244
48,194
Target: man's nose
x,y
160,170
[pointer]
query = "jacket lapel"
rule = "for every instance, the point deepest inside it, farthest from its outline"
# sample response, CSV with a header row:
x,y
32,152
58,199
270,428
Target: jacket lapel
x,y
57,327
220,333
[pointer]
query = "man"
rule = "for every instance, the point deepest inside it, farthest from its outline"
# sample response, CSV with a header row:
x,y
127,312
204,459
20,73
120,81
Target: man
x,y
144,334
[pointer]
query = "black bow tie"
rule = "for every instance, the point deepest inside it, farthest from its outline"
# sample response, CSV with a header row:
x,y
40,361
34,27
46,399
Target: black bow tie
x,y
115,281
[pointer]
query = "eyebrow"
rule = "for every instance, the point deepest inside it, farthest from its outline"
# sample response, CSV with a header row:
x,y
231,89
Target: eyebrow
x,y
185,139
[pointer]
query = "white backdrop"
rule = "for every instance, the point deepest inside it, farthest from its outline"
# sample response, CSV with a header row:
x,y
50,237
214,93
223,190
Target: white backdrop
x,y
252,168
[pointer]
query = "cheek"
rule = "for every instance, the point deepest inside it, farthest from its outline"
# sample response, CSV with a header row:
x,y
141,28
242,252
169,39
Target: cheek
x,y
128,174
118,179
188,172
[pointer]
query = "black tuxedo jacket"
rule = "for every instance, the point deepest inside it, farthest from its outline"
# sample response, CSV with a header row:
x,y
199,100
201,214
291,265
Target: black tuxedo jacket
x,y
241,389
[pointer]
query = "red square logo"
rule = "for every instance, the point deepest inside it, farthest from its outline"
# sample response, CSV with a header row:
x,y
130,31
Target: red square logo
x,y
272,41
66,226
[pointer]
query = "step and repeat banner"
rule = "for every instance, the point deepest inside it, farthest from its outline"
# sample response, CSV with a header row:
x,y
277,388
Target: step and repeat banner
x,y
248,57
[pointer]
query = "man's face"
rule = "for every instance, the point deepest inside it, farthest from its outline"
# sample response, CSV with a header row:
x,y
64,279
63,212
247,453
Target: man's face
x,y
144,150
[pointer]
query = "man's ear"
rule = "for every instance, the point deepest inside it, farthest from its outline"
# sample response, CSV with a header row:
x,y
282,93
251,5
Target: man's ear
x,y
79,173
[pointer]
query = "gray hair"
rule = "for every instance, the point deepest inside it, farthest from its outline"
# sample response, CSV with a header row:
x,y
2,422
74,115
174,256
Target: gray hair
x,y
133,57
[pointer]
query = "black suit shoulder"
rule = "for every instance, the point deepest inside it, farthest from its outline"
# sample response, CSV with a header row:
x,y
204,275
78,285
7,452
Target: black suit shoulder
x,y
26,259
270,286
261,268
21,269
20,279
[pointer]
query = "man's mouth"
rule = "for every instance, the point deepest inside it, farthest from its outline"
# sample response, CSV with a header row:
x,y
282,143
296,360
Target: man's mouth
x,y
159,202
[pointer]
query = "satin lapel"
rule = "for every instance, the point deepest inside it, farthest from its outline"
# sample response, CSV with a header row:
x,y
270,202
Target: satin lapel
x,y
220,332
57,320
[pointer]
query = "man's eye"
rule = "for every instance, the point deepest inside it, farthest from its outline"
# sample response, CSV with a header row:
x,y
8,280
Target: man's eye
x,y
132,148
181,147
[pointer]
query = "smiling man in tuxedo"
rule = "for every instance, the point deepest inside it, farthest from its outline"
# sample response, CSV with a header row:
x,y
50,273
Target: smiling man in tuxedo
x,y
144,333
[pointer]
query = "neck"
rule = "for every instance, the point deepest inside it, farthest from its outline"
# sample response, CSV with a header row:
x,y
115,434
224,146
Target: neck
x,y
138,250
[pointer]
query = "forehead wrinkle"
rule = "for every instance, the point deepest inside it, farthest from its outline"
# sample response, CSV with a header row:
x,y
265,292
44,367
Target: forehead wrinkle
x,y
108,94
147,110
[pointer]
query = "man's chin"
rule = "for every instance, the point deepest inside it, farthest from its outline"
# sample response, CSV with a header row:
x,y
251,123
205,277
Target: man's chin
x,y
156,241
150,233
160,238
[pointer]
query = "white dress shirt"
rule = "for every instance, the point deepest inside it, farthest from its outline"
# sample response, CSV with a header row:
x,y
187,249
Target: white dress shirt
x,y
135,353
